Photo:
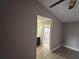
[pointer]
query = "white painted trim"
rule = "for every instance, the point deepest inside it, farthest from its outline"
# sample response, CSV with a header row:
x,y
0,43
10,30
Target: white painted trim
x,y
56,48
72,48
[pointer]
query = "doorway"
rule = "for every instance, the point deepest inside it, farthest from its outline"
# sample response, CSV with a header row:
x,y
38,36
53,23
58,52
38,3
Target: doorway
x,y
43,36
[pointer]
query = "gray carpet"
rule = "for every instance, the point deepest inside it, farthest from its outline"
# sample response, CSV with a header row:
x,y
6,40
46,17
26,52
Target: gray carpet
x,y
67,53
61,53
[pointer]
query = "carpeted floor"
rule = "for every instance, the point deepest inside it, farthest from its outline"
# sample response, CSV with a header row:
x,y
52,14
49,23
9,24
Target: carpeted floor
x,y
61,53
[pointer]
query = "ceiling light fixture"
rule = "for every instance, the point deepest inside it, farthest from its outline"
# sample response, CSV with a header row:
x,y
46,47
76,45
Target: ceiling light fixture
x,y
72,4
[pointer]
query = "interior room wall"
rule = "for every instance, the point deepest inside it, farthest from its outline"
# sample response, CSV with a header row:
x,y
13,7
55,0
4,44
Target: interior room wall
x,y
0,38
71,34
19,28
2,14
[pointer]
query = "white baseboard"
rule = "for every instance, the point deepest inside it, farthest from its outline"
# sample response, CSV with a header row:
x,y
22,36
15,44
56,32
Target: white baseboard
x,y
72,48
56,48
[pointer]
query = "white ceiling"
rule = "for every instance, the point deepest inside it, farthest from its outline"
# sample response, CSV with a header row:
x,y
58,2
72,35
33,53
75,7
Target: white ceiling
x,y
61,10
